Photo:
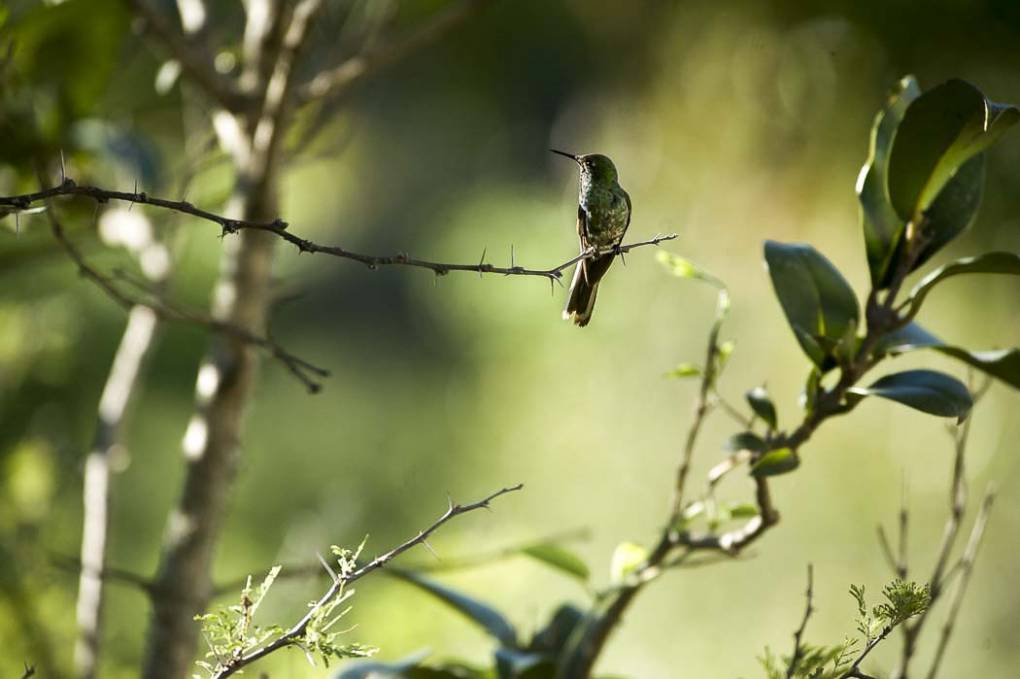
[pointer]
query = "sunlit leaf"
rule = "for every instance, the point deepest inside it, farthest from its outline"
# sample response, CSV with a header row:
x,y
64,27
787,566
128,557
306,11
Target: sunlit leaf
x,y
684,370
559,558
776,462
925,390
882,227
627,557
819,304
941,130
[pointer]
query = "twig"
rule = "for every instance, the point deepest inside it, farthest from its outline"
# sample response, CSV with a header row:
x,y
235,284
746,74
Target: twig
x,y
107,574
798,636
29,671
279,228
432,566
298,629
966,568
307,373
855,669
339,80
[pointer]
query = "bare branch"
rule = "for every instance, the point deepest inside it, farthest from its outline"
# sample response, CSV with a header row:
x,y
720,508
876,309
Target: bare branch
x,y
339,80
307,373
966,565
295,633
194,59
798,636
279,228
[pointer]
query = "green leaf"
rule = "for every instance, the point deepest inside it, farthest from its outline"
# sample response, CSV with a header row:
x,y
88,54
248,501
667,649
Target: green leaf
x,y
819,304
953,210
742,510
627,558
745,440
941,130
991,262
515,664
553,637
760,402
1003,364
481,613
882,227
684,370
776,462
684,268
560,559
925,390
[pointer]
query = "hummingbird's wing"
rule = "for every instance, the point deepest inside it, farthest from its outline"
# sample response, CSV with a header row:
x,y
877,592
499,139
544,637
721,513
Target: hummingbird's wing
x,y
582,234
626,197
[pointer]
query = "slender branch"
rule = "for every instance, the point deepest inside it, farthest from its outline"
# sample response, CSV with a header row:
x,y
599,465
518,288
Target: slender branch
x,y
279,228
307,373
966,568
193,57
108,574
338,81
855,669
941,572
432,566
798,636
294,634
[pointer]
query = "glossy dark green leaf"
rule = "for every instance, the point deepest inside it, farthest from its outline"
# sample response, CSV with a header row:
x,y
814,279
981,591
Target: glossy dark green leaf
x,y
819,304
882,227
925,390
940,131
953,210
1003,364
776,462
559,558
553,637
745,440
762,405
479,612
516,664
991,262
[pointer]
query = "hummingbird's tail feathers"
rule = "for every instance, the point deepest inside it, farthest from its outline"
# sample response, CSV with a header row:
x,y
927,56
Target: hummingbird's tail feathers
x,y
584,288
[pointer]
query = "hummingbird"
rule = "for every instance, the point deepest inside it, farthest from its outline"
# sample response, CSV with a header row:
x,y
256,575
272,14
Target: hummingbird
x,y
603,215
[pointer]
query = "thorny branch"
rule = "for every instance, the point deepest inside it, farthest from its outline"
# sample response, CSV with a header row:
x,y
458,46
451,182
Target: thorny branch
x,y
304,371
279,228
295,633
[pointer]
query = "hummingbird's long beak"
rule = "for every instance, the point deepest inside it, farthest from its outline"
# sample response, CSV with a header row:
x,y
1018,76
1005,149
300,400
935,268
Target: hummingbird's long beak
x,y
568,155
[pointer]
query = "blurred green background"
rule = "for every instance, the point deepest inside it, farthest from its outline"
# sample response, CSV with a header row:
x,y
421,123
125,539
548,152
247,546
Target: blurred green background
x,y
730,122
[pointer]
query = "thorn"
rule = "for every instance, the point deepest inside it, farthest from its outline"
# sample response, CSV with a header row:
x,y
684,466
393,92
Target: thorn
x,y
512,263
481,262
332,575
17,224
133,197
449,502
63,175
427,546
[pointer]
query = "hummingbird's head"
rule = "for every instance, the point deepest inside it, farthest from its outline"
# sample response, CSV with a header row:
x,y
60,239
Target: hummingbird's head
x,y
597,167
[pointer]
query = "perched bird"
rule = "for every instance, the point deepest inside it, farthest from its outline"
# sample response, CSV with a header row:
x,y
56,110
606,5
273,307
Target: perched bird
x,y
603,215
